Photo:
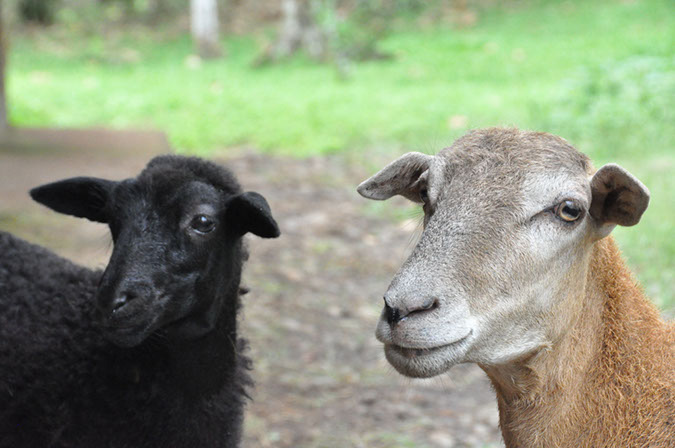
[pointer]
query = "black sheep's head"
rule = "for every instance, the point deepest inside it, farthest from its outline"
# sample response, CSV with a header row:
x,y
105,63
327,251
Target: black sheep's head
x,y
177,228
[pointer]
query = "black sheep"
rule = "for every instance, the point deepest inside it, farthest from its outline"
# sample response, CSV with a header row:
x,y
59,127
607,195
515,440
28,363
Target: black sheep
x,y
145,353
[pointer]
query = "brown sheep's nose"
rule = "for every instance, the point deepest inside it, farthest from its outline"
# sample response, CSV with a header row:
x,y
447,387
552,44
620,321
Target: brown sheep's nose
x,y
394,315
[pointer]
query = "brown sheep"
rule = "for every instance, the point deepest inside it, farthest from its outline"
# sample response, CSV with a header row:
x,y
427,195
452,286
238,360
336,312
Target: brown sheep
x,y
515,271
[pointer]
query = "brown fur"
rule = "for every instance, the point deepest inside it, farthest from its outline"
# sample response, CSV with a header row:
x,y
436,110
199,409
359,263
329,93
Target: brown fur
x,y
610,382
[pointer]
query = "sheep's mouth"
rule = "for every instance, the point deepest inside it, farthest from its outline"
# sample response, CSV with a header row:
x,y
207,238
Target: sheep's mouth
x,y
128,335
429,361
129,331
416,352
131,324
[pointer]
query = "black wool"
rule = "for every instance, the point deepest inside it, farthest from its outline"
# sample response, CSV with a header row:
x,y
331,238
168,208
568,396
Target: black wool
x,y
144,353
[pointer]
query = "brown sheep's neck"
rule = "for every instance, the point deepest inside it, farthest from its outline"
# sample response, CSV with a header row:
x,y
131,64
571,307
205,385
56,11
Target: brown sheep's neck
x,y
609,382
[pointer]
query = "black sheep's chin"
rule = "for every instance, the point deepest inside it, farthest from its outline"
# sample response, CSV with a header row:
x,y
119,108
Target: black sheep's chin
x,y
126,337
131,330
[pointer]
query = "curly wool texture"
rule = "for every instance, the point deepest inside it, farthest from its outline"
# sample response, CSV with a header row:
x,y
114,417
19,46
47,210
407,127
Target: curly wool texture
x,y
62,384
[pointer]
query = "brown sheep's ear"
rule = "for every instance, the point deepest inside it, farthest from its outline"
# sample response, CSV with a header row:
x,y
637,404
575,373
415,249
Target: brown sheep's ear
x,y
250,212
618,198
399,177
84,197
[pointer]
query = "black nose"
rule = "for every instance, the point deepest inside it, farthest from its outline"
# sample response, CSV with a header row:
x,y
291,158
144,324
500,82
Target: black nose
x,y
121,300
394,315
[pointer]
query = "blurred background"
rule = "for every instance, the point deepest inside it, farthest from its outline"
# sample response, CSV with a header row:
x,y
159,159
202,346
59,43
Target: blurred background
x,y
304,99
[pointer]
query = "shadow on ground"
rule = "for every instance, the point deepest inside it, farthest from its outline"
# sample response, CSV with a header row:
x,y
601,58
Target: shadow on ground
x,y
321,378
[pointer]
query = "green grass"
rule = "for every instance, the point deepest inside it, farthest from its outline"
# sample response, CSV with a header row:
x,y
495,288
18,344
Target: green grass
x,y
601,74
506,70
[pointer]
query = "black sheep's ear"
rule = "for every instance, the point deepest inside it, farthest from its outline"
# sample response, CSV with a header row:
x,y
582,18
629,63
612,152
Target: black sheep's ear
x,y
250,212
84,197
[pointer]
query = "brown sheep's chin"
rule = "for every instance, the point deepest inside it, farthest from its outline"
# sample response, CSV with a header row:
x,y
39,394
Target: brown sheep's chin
x,y
423,363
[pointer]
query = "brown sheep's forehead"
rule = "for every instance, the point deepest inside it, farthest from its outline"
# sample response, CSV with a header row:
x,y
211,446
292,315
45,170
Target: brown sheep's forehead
x,y
507,152
485,191
487,175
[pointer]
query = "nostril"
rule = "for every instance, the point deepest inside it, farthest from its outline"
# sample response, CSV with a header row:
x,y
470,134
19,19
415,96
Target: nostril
x,y
395,315
121,300
429,304
118,303
392,315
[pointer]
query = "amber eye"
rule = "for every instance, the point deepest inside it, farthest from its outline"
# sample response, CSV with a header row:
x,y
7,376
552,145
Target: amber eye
x,y
568,211
202,224
424,196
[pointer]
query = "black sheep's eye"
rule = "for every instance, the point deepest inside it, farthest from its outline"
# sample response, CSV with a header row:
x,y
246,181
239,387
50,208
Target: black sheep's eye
x,y
202,224
424,196
568,211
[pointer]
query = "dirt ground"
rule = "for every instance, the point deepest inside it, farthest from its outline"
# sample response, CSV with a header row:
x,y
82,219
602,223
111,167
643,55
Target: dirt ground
x,y
316,294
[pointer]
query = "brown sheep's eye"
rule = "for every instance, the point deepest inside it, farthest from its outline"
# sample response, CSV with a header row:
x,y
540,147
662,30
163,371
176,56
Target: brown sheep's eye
x,y
202,224
568,211
424,196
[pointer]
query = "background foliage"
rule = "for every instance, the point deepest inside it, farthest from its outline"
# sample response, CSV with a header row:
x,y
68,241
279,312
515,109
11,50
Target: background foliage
x,y
601,74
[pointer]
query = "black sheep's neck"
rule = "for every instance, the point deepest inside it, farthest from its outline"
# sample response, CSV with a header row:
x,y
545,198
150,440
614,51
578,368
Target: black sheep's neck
x,y
200,367
197,367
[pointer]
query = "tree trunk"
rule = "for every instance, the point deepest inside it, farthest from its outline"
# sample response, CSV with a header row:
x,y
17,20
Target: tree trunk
x,y
3,104
298,31
204,27
37,11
